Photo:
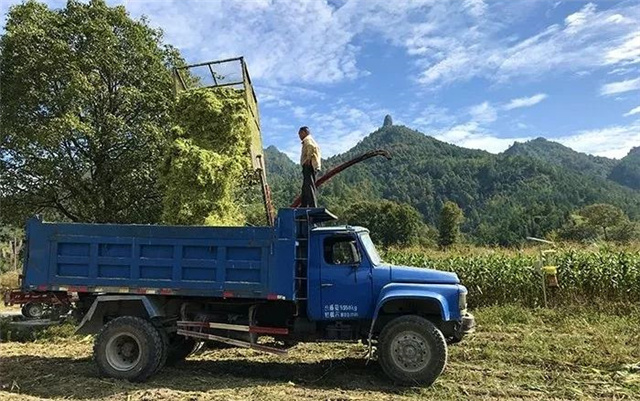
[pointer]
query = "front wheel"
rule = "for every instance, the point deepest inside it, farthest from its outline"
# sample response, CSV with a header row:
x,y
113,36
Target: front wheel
x,y
412,351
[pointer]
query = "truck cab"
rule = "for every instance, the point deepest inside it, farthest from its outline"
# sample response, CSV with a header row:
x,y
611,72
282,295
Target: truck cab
x,y
348,281
351,293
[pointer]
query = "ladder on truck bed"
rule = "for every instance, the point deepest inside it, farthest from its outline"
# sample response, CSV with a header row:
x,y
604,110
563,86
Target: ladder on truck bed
x,y
305,220
303,231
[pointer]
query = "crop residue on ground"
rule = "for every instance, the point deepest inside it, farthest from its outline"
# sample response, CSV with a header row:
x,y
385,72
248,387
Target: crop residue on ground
x,y
517,353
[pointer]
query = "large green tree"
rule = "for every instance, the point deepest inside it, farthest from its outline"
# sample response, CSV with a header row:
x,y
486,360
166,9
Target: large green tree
x,y
390,223
604,216
449,225
86,96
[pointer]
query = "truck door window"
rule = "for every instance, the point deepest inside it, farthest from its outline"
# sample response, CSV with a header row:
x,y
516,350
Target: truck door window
x,y
341,250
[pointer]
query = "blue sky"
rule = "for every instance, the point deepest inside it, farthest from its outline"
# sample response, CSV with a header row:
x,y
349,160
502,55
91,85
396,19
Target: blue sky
x,y
479,74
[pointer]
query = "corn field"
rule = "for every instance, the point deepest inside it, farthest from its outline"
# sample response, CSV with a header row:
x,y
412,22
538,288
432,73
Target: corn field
x,y
584,275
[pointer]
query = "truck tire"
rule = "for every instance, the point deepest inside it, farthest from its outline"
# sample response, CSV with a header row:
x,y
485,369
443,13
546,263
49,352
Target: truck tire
x,y
128,348
179,348
165,348
33,310
412,351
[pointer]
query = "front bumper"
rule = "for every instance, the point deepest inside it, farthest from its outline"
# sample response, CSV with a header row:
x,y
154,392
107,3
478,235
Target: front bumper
x,y
467,325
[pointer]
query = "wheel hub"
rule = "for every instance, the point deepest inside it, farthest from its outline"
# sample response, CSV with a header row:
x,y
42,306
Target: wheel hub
x,y
36,310
410,351
123,352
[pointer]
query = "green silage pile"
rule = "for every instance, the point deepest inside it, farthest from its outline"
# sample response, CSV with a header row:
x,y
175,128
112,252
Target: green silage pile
x,y
209,159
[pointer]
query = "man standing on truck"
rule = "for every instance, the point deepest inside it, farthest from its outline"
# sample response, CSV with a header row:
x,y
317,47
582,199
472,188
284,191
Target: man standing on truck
x,y
310,161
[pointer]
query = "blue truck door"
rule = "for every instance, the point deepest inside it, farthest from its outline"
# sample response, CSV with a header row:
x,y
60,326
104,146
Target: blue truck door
x,y
345,279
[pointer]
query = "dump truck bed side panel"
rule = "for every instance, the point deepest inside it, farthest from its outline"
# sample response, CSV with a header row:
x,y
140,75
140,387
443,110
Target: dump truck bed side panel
x,y
206,261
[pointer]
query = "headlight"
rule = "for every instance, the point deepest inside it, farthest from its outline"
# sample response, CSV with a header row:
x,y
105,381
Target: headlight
x,y
462,300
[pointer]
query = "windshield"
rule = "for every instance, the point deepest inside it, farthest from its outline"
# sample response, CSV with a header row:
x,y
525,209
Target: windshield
x,y
370,248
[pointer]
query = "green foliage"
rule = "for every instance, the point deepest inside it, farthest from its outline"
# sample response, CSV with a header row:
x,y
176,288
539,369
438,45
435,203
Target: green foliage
x,y
86,95
284,176
555,153
11,247
627,171
598,221
215,119
603,216
390,223
208,160
576,229
449,225
626,231
493,278
505,198
197,188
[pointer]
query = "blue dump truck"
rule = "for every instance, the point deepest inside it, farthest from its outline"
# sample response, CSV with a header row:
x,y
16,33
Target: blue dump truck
x,y
151,293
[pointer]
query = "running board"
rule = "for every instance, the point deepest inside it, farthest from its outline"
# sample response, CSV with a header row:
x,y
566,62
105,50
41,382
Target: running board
x,y
231,341
236,327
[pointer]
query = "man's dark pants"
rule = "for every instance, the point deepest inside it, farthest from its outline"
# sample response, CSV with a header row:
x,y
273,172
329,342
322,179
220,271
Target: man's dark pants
x,y
308,186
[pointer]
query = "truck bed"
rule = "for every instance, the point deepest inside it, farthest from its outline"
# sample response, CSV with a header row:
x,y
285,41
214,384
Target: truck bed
x,y
111,258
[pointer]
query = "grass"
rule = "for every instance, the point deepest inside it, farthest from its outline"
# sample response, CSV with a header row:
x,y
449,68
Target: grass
x,y
518,353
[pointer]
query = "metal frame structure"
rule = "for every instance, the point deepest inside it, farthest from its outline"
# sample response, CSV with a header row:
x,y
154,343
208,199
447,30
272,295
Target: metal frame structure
x,y
184,80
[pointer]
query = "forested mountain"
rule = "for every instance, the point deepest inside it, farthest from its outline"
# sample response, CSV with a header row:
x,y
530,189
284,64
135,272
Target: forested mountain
x,y
283,176
504,197
553,152
627,171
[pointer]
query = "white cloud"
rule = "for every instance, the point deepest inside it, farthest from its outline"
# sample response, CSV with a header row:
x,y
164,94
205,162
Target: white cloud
x,y
284,42
315,42
589,39
635,110
337,129
483,113
620,87
525,101
431,116
476,8
614,141
576,21
472,135
627,53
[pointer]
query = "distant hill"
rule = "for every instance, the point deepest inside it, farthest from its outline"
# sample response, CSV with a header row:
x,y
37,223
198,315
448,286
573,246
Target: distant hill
x,y
553,152
283,176
528,190
627,171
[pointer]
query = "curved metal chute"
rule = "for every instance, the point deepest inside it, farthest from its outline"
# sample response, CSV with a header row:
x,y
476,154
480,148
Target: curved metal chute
x,y
341,167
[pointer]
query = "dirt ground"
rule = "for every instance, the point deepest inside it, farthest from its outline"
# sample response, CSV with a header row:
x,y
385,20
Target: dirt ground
x,y
517,353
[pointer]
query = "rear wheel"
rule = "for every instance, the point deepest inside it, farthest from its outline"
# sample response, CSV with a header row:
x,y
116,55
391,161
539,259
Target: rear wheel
x,y
412,351
33,310
129,348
